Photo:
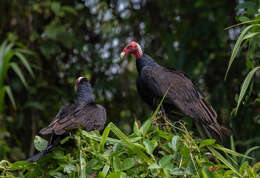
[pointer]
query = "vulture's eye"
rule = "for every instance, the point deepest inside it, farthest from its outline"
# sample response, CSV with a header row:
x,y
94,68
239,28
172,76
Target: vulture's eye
x,y
129,47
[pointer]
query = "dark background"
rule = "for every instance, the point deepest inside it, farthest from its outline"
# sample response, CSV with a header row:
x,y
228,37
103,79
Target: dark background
x,y
84,38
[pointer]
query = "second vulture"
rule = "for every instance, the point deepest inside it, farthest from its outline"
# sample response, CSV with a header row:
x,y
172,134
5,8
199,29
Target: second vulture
x,y
155,80
84,113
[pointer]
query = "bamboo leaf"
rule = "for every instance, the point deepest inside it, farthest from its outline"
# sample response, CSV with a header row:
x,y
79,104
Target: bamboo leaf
x,y
237,46
17,70
250,35
25,62
244,86
246,22
207,142
10,95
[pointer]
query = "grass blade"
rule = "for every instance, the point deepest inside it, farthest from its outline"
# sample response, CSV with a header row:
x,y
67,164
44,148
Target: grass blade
x,y
249,151
158,107
223,160
104,137
82,165
230,151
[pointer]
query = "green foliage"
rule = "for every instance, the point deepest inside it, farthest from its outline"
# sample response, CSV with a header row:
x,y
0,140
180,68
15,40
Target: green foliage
x,y
180,154
8,52
250,36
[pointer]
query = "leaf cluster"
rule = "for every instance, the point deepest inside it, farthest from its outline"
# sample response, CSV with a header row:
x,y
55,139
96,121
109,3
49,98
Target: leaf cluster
x,y
151,151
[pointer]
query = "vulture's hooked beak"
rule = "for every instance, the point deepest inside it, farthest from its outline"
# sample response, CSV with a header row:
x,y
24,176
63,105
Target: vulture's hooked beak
x,y
122,55
77,83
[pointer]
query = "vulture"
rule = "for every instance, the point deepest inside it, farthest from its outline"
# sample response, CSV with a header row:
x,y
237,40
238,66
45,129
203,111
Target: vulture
x,y
154,81
83,113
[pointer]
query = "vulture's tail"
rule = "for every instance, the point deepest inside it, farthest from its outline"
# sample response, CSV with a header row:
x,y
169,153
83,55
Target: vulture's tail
x,y
42,153
216,130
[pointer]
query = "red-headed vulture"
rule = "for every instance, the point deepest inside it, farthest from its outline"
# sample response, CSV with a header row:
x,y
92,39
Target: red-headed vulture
x,y
155,80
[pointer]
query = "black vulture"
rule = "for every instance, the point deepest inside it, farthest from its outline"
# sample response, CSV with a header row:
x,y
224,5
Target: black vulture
x,y
83,113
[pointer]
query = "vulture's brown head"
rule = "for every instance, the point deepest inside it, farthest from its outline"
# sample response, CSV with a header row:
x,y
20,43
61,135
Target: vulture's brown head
x,y
132,48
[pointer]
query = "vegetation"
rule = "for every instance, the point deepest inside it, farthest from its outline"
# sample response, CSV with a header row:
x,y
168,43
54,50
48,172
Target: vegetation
x,y
148,152
57,41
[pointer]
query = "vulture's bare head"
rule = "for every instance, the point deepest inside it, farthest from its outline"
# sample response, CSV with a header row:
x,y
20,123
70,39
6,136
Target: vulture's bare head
x,y
80,80
132,48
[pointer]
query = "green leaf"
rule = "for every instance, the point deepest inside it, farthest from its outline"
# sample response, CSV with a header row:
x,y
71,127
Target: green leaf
x,y
104,137
34,105
237,46
231,151
244,86
243,19
145,127
165,161
175,143
207,142
82,165
149,145
39,143
125,139
177,172
243,167
206,173
25,62
249,151
154,166
105,170
10,95
116,163
250,35
17,70
21,165
117,174
69,168
136,129
127,164
223,160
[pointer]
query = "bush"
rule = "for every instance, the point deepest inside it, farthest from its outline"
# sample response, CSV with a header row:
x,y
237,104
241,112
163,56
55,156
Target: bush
x,y
151,151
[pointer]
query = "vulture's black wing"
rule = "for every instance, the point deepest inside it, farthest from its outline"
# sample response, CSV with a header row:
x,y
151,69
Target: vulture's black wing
x,y
182,93
64,112
88,116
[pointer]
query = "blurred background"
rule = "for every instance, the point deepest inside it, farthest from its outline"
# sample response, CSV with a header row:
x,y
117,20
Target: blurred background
x,y
46,45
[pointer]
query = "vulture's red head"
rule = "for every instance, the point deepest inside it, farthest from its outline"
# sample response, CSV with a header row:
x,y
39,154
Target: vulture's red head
x,y
132,48
78,81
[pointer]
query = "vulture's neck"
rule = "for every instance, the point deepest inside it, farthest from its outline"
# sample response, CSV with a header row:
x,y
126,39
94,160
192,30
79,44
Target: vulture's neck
x,y
145,60
85,94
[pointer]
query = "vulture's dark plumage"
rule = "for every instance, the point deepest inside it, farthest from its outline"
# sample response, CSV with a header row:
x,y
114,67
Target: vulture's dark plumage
x,y
84,113
153,82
